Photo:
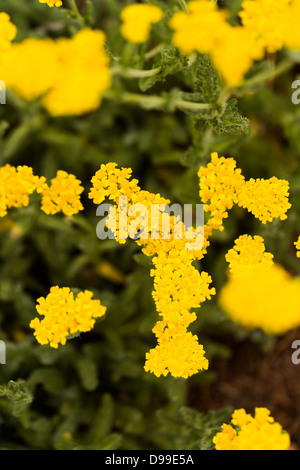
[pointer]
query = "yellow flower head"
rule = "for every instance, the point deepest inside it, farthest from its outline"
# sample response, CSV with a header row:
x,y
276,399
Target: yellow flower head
x,y
260,432
112,182
8,31
16,186
297,245
65,315
63,195
266,21
200,30
69,75
267,298
29,67
177,352
265,199
220,182
235,54
137,20
52,3
178,285
82,74
247,254
291,36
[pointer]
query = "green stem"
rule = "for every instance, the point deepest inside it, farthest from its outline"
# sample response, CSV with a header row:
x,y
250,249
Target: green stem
x,y
183,5
283,67
74,8
156,102
128,72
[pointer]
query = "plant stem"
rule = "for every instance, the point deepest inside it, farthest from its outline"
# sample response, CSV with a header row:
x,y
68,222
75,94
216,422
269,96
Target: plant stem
x,y
183,5
74,8
128,72
156,102
284,66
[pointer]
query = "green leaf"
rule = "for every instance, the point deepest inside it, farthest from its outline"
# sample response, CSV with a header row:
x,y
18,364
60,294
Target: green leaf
x,y
231,121
170,63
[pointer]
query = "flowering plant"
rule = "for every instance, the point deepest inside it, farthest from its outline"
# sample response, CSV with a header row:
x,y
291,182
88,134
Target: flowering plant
x,y
142,105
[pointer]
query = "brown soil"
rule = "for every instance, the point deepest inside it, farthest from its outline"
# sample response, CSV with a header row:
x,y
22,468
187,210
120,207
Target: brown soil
x,y
252,378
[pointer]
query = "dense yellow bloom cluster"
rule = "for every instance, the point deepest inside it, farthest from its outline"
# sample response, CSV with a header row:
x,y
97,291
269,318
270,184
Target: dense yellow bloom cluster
x,y
178,285
266,26
248,254
16,185
222,185
259,294
69,75
8,31
137,20
200,30
52,3
272,23
64,315
266,298
246,432
63,195
265,199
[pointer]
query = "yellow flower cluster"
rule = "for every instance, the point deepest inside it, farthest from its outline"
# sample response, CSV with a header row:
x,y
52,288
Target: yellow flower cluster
x,y
297,245
16,185
272,23
222,185
263,297
69,75
266,26
248,254
265,199
246,432
178,285
178,288
65,315
8,31
63,195
137,20
52,3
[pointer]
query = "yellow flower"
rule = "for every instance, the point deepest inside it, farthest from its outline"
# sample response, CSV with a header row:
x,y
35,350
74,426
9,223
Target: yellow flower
x,y
265,199
291,37
63,195
235,54
8,32
297,245
200,30
248,254
266,21
82,74
178,285
69,75
65,315
16,185
29,67
260,432
137,20
267,298
220,182
52,3
222,185
177,352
